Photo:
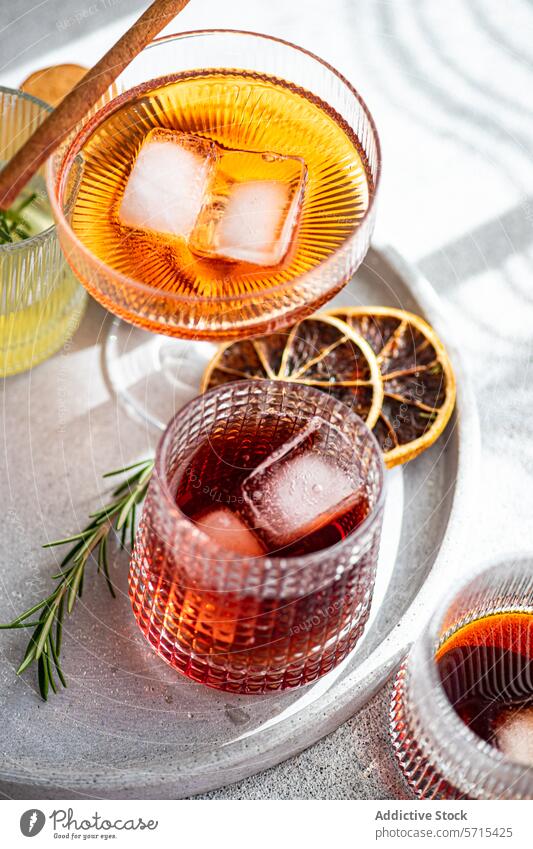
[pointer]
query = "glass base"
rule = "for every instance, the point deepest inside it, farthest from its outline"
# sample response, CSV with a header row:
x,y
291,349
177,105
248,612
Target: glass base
x,y
152,376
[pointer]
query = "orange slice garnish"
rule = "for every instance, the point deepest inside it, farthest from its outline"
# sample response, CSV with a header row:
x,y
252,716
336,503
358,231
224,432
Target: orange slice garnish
x,y
418,379
320,351
53,83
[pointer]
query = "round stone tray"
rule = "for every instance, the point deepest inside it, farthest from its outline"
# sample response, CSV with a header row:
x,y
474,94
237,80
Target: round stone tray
x,y
128,725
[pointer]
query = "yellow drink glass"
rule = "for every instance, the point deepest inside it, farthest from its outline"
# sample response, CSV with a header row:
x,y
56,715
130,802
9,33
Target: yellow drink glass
x,y
41,302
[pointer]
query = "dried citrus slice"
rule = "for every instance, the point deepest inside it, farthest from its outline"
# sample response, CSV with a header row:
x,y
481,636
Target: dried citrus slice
x,y
320,351
418,379
52,84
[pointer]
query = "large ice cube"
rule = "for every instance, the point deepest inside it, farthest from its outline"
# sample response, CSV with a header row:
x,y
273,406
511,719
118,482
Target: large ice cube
x,y
229,531
297,490
252,208
514,735
168,182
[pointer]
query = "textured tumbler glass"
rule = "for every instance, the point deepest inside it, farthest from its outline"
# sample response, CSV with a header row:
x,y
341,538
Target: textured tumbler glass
x,y
254,624
439,755
40,302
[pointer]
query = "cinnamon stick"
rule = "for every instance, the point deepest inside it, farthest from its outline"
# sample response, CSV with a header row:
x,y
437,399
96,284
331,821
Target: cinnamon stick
x,y
82,97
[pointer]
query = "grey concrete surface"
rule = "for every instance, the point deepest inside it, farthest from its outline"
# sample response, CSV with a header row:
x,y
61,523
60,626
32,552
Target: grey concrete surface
x,y
31,28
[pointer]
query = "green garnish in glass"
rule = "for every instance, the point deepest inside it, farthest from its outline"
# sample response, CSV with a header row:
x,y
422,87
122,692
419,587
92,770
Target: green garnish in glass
x,y
14,226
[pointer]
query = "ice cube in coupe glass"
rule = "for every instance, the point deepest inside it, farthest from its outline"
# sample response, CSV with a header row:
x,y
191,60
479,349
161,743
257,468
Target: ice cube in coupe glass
x,y
229,531
252,209
297,490
167,184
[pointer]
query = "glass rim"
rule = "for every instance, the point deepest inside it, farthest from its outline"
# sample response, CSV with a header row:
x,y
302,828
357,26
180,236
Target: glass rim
x,y
480,754
14,247
302,560
53,181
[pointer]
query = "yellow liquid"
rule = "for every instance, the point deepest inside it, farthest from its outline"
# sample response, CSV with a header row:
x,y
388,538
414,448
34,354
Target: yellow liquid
x,y
40,300
30,335
238,111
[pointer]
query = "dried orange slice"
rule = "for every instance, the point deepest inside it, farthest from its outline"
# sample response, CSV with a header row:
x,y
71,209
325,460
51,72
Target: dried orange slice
x,y
418,379
52,84
320,351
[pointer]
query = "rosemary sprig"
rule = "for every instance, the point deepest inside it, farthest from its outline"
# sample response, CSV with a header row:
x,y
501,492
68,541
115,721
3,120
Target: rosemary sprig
x,y
44,646
13,223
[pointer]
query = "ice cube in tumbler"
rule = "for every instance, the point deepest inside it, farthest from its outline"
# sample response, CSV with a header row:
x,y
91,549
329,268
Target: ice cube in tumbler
x,y
514,735
167,184
252,209
297,490
229,531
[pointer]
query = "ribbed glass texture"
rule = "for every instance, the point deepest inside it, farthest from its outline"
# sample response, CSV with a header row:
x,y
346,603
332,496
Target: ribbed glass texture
x,y
40,300
235,314
254,624
439,755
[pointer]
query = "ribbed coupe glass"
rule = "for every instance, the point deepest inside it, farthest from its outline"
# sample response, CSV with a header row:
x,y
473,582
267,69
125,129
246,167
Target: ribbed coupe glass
x,y
440,756
40,300
222,307
252,624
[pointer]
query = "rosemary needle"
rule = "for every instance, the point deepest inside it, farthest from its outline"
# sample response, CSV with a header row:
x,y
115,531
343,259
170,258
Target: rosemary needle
x,y
44,646
13,223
